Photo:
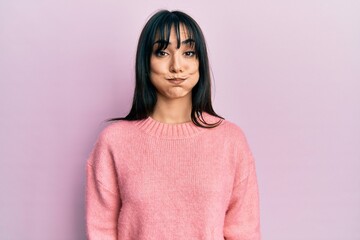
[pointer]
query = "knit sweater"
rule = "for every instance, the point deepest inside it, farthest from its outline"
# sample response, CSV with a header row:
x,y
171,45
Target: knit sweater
x,y
148,180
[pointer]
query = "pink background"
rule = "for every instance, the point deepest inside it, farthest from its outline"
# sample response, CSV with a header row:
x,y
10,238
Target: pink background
x,y
287,72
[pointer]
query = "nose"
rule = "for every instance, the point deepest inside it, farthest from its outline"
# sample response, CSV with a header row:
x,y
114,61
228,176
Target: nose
x,y
176,64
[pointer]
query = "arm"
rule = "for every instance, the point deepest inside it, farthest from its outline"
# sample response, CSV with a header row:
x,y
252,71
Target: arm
x,y
242,219
102,194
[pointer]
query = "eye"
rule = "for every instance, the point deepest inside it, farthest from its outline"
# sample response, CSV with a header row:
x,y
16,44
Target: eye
x,y
161,53
189,53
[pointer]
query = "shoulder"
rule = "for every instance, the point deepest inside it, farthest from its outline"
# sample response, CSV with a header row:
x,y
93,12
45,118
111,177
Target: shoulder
x,y
227,132
116,131
231,130
239,139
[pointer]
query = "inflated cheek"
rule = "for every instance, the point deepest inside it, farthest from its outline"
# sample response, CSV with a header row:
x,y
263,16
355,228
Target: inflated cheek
x,y
154,68
154,79
194,68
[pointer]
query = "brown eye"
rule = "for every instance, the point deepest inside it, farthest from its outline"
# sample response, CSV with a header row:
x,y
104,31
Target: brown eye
x,y
189,53
161,53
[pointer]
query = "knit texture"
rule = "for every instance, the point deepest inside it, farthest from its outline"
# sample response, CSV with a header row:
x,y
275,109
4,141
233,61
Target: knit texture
x,y
148,180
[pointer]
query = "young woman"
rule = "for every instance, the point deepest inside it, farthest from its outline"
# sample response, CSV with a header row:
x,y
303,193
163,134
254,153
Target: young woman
x,y
172,168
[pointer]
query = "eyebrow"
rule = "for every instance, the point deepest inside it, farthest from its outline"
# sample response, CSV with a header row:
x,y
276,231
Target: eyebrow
x,y
187,41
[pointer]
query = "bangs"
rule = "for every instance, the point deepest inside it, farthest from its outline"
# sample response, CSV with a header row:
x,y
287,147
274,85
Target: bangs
x,y
161,33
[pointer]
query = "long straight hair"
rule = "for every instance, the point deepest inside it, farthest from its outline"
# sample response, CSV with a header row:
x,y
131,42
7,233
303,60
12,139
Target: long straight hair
x,y
158,28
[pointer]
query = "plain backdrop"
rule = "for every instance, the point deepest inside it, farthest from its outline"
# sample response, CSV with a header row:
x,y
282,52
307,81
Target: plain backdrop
x,y
287,72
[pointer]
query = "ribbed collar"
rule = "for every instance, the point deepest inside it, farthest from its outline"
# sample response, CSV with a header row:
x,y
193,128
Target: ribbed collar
x,y
173,130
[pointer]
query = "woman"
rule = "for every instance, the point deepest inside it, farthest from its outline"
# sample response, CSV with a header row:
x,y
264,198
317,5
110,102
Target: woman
x,y
172,168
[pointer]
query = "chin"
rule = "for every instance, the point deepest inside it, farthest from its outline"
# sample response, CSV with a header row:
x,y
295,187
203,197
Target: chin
x,y
176,95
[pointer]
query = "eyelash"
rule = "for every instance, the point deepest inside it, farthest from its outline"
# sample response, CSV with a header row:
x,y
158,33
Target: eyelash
x,y
190,53
162,53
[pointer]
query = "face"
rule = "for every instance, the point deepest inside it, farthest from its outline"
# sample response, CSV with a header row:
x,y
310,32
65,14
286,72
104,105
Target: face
x,y
174,72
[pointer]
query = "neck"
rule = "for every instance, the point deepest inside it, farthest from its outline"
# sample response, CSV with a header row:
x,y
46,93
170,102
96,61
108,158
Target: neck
x,y
172,110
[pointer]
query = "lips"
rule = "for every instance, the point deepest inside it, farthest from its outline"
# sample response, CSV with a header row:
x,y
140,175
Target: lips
x,y
176,80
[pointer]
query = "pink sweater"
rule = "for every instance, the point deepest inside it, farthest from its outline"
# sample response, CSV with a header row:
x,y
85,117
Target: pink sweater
x,y
148,180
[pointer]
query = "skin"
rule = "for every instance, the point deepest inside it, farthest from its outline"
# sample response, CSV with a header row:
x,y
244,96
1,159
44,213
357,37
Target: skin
x,y
174,72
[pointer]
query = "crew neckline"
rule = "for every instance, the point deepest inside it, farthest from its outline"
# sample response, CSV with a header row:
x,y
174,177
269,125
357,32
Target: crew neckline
x,y
173,130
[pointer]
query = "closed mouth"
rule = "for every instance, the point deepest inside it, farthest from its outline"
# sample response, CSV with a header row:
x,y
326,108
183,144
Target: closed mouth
x,y
176,80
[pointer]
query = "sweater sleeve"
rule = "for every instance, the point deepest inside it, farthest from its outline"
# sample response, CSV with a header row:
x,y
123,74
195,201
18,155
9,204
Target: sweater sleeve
x,y
242,219
102,193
